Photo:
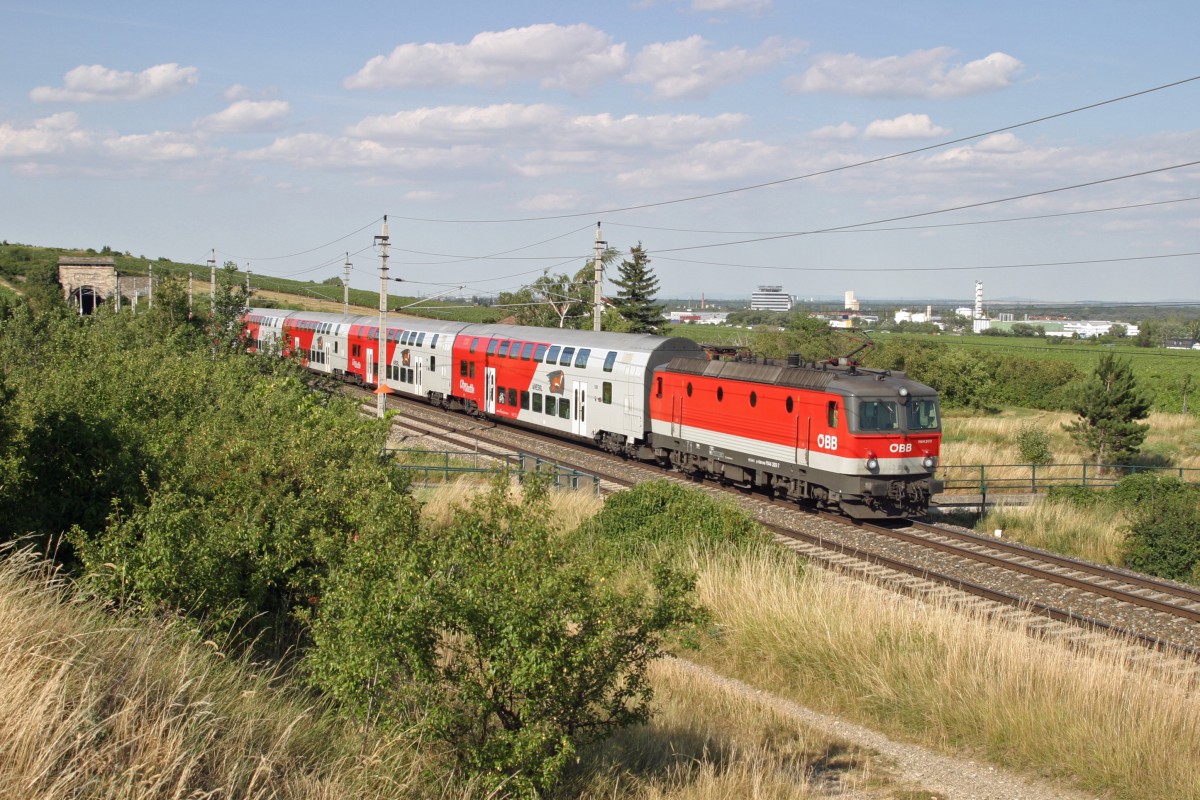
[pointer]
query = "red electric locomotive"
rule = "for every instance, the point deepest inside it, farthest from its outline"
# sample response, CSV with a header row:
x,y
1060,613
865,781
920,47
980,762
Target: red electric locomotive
x,y
864,442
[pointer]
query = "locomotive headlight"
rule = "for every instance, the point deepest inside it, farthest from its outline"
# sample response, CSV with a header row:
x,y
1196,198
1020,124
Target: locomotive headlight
x,y
872,463
903,392
929,462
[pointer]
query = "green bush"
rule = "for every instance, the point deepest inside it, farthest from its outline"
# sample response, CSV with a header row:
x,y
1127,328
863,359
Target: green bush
x,y
658,513
515,651
1033,445
1164,532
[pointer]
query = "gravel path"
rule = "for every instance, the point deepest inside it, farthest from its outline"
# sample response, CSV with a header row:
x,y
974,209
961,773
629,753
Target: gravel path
x,y
945,777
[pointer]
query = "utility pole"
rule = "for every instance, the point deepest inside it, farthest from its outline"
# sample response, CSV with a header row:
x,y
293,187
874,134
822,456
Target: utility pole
x,y
346,288
118,294
212,285
150,288
598,280
191,275
382,390
247,281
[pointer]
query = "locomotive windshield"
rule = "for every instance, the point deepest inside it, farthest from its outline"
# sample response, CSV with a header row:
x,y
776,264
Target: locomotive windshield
x,y
877,415
885,416
923,414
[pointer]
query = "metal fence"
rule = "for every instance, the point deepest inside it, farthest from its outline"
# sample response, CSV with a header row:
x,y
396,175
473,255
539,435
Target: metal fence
x,y
438,466
1034,478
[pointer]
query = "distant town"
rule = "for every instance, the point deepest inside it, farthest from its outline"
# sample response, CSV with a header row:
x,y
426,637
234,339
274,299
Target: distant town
x,y
961,319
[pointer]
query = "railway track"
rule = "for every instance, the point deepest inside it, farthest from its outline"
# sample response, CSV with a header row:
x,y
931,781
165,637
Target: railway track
x,y
1049,592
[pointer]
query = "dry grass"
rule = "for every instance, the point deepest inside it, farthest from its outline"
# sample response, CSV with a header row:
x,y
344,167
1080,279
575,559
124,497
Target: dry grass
x,y
954,681
1096,533
568,508
1174,438
710,741
96,708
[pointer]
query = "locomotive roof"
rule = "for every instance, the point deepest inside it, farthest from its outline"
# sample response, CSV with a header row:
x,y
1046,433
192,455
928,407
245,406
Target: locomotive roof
x,y
817,378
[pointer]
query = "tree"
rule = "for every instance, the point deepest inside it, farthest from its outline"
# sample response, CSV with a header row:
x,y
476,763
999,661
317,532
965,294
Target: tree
x,y
557,301
635,300
517,649
1108,405
225,328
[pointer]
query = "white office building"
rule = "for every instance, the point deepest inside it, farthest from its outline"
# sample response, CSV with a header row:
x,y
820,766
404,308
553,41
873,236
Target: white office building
x,y
770,298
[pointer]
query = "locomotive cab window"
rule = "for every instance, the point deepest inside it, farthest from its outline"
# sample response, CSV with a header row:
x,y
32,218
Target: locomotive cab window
x,y
923,414
832,414
877,415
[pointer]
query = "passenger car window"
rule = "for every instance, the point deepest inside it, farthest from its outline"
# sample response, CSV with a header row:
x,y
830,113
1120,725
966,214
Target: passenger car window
x,y
582,359
567,353
609,360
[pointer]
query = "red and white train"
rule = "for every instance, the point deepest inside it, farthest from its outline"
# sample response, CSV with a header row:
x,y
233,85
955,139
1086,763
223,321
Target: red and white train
x,y
865,442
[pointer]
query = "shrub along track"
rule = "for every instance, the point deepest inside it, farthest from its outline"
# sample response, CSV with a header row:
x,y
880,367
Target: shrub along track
x,y
1088,605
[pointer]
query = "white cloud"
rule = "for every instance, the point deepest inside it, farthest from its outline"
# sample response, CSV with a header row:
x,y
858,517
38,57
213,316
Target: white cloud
x,y
458,122
905,126
659,130
569,57
236,92
691,68
835,132
247,115
552,201
157,146
86,84
53,134
923,73
314,150
550,127
728,161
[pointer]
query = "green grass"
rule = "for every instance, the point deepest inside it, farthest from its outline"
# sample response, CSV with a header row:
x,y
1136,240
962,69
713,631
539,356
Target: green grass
x,y
1158,371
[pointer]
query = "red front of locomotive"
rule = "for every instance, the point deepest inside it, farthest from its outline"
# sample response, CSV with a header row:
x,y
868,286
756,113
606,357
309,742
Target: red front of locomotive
x,y
866,443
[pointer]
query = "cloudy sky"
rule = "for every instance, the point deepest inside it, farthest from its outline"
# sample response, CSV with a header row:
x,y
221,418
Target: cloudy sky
x,y
896,149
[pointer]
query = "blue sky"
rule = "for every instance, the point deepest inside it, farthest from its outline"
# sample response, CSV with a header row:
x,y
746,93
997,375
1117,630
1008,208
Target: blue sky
x,y
814,145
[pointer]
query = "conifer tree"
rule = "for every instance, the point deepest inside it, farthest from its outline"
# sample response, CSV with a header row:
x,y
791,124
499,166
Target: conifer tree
x,y
1109,404
635,300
